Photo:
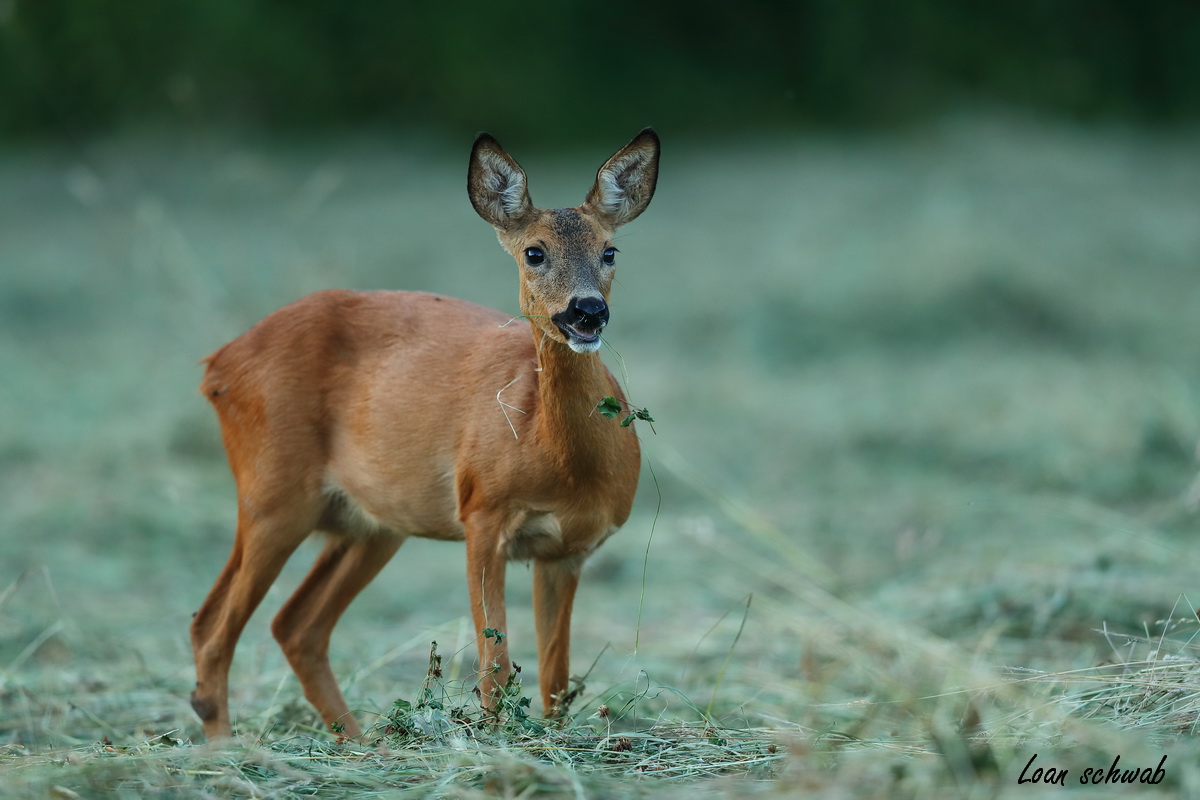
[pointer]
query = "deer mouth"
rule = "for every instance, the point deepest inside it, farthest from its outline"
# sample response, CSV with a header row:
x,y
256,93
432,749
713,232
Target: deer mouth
x,y
581,322
581,339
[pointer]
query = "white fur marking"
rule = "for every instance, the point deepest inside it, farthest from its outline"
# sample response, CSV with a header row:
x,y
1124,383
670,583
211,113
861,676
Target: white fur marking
x,y
584,347
507,184
612,196
540,523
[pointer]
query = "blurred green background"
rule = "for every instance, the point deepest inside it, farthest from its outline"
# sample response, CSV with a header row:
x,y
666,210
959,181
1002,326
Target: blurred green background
x,y
915,307
563,70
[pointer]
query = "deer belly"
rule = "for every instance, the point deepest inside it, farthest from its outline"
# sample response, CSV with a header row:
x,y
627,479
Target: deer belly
x,y
421,508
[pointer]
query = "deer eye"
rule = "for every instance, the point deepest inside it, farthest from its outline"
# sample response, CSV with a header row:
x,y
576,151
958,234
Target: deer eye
x,y
609,256
534,256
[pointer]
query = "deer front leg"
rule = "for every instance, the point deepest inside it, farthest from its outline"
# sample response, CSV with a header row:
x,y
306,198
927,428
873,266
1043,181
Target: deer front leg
x,y
554,584
485,580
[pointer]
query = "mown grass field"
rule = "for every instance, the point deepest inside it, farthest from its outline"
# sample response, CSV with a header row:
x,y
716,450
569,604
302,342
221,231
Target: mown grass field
x,y
927,413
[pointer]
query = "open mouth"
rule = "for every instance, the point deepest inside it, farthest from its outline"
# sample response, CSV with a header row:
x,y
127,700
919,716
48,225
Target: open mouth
x,y
581,340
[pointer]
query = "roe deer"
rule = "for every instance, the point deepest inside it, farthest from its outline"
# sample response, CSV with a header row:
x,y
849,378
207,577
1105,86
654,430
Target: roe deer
x,y
374,416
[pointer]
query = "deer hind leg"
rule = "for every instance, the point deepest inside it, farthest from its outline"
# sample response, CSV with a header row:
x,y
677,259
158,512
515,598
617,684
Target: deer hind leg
x,y
554,584
305,623
261,547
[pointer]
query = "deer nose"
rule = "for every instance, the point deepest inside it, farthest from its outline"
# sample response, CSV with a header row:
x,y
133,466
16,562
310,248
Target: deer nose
x,y
588,312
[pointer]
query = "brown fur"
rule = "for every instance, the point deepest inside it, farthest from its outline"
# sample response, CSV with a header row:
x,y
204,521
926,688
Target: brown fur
x,y
374,416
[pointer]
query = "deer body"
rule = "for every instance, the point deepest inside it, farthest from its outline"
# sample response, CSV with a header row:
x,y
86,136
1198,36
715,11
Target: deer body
x,y
374,416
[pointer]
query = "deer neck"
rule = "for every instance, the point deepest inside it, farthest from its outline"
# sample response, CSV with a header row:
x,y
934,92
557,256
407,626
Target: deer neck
x,y
570,385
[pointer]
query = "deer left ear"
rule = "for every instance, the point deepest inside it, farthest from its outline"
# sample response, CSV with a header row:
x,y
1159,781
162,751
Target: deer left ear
x,y
497,185
625,184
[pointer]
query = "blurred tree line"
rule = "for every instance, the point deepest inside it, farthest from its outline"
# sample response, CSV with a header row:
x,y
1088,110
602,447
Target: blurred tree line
x,y
557,68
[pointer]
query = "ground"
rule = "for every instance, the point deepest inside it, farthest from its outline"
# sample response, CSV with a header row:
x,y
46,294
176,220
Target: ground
x,y
920,500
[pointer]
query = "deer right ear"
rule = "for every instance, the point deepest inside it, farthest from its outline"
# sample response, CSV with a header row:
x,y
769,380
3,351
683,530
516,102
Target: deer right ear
x,y
496,185
625,184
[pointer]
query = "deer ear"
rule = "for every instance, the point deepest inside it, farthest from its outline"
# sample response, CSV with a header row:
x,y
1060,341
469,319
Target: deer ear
x,y
496,185
625,184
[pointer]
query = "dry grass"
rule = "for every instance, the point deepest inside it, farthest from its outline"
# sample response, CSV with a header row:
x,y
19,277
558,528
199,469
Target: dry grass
x,y
926,414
